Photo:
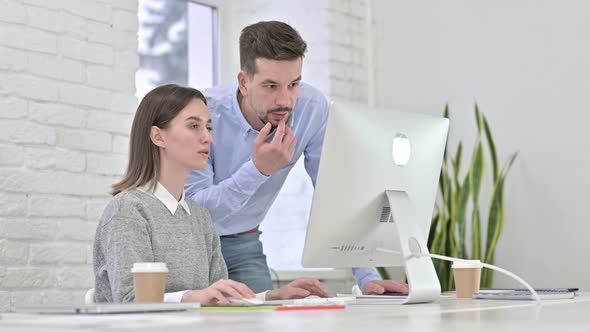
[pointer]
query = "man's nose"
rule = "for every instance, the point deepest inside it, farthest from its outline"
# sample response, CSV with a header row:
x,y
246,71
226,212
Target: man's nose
x,y
283,98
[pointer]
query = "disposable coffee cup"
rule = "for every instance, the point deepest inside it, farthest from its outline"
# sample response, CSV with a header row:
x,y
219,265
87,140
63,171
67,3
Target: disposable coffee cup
x,y
149,282
467,277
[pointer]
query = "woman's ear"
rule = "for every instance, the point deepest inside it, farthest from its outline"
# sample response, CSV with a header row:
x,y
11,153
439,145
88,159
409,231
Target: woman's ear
x,y
156,136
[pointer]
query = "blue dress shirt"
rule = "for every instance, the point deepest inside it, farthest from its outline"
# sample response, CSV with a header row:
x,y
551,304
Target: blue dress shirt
x,y
237,195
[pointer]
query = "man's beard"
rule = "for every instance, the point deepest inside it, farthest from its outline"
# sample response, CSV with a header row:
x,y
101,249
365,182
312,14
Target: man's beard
x,y
277,110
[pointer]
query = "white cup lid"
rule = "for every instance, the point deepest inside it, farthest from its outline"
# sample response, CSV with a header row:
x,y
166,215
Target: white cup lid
x,y
149,267
467,264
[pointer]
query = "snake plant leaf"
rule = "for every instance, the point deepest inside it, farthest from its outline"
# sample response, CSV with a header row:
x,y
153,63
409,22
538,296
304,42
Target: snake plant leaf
x,y
496,215
383,273
478,119
441,182
464,194
440,236
492,149
476,179
446,115
476,171
496,220
447,193
433,231
487,276
452,215
457,164
476,234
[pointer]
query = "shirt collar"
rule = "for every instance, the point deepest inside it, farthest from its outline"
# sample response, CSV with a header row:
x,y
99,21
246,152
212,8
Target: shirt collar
x,y
164,196
245,127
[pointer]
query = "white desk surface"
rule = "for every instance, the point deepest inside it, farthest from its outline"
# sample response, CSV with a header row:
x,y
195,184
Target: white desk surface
x,y
446,315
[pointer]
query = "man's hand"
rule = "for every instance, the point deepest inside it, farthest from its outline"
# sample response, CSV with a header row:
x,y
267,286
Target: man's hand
x,y
271,157
376,287
298,289
219,292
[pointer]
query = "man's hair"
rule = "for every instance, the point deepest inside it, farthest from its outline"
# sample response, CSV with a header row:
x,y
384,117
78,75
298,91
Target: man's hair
x,y
272,40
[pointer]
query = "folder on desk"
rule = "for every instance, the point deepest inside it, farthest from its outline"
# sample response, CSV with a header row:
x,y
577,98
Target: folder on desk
x,y
523,294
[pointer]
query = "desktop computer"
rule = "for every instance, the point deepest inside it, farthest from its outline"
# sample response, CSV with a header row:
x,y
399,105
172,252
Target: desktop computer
x,y
375,192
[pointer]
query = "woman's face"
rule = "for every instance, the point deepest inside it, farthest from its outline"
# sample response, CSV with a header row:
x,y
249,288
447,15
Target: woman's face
x,y
188,139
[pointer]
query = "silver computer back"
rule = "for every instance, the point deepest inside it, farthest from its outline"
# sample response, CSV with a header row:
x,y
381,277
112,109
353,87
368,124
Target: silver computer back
x,y
349,215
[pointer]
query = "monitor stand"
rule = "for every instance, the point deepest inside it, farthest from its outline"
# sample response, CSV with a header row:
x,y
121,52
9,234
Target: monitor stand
x,y
423,282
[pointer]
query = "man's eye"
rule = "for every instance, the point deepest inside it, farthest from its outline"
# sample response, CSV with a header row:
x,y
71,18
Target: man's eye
x,y
270,86
194,126
210,128
294,84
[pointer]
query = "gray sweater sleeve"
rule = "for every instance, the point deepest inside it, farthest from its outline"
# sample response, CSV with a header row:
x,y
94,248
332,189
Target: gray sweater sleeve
x,y
127,241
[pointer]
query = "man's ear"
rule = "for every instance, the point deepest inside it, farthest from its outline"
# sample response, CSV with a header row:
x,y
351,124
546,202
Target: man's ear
x,y
242,80
156,136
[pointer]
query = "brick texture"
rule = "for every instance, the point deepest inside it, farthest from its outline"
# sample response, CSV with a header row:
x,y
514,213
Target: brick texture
x,y
67,97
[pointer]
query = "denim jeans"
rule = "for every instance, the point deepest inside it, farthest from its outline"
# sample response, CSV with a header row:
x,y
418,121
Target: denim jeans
x,y
245,260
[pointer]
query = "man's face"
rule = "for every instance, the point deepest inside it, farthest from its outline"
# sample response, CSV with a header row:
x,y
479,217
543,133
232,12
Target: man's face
x,y
272,91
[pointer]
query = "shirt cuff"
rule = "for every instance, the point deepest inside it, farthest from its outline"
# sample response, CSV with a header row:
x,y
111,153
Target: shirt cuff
x,y
175,297
261,296
364,275
253,173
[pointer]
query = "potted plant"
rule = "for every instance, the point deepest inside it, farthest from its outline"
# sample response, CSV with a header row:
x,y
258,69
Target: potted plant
x,y
458,203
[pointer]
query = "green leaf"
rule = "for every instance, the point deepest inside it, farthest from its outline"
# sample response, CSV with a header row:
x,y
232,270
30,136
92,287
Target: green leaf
x,y
476,234
442,184
496,216
448,193
476,172
446,115
476,179
383,273
433,232
487,276
457,164
492,149
478,119
464,195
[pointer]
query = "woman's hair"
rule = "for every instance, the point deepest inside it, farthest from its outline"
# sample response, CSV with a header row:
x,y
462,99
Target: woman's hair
x,y
157,108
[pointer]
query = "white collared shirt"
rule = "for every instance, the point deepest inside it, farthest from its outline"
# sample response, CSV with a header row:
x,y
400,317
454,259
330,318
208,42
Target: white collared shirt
x,y
164,196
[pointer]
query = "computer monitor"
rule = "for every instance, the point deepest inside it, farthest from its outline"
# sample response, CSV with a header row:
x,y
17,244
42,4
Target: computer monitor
x,y
374,195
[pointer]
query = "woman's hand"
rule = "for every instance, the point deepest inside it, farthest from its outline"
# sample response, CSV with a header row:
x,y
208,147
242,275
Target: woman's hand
x,y
298,289
219,292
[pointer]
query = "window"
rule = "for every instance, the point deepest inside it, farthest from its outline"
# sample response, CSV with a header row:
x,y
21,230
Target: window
x,y
177,44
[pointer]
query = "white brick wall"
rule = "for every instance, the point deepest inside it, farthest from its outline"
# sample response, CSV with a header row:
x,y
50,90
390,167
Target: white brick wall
x,y
348,45
66,104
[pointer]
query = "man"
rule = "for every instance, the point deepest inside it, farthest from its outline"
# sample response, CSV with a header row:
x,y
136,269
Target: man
x,y
261,126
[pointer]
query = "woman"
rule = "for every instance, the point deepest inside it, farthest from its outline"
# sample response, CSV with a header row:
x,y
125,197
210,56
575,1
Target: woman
x,y
149,220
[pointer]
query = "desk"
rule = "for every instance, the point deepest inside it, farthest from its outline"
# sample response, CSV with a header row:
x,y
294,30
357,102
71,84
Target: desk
x,y
446,315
